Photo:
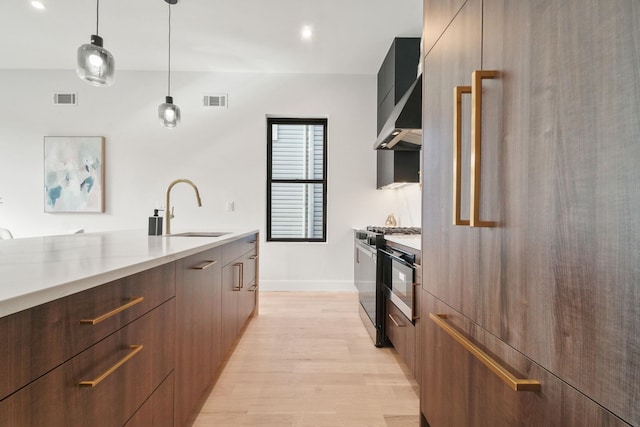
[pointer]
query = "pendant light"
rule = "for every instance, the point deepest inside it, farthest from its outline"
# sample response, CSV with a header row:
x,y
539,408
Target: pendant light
x,y
168,112
95,63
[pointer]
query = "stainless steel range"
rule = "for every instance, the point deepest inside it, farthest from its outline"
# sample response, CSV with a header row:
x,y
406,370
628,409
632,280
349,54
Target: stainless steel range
x,y
368,276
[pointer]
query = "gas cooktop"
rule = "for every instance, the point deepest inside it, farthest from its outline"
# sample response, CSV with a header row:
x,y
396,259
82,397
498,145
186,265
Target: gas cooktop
x,y
394,230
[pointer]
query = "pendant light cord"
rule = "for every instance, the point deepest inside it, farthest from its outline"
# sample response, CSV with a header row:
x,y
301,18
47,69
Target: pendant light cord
x,y
97,15
169,61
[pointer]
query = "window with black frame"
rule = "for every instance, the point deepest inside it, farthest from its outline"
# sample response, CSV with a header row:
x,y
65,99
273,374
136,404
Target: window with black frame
x,y
296,180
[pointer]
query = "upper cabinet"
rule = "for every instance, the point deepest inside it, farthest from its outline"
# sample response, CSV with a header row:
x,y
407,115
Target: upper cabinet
x,y
396,75
438,14
399,115
530,186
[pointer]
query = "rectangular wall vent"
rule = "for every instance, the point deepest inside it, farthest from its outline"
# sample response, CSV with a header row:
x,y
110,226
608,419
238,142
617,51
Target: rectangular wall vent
x,y
215,101
65,99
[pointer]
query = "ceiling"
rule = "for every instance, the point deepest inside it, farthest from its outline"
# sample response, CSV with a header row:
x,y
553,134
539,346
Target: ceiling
x,y
350,36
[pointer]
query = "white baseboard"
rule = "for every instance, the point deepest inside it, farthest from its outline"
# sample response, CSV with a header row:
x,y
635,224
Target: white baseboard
x,y
306,286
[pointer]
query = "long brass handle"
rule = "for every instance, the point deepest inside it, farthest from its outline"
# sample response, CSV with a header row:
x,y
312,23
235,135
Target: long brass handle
x,y
204,265
476,145
240,274
458,91
92,383
131,303
517,384
395,322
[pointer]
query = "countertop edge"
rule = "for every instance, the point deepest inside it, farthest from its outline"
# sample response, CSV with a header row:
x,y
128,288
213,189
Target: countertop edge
x,y
20,302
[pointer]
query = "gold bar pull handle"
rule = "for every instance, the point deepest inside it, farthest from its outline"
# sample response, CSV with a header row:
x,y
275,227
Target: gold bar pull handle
x,y
131,303
204,265
476,144
92,383
240,274
517,384
458,91
253,288
395,322
253,257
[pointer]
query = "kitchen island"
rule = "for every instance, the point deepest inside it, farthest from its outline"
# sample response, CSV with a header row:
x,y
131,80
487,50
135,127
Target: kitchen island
x,y
119,328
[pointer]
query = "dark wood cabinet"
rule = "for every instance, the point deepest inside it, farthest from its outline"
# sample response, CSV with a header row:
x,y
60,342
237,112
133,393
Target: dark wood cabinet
x,y
47,335
451,264
438,14
402,334
138,351
125,367
198,349
239,288
157,411
458,390
567,154
554,278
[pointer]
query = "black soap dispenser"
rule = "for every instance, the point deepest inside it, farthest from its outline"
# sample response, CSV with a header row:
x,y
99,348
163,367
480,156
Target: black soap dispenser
x,y
155,224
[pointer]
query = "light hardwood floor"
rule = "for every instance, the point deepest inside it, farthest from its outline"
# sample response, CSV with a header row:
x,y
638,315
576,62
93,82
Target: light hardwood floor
x,y
307,360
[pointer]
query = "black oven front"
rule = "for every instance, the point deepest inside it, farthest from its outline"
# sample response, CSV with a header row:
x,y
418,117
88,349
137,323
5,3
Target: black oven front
x,y
367,278
398,277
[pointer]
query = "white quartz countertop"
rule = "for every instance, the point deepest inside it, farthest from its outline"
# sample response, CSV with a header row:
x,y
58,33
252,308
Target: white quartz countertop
x,y
413,241
38,270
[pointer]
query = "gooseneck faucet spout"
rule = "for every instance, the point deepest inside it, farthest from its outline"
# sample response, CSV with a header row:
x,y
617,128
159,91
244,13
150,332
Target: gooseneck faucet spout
x,y
168,211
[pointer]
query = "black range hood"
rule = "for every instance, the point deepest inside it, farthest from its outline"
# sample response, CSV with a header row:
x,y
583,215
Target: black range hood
x,y
403,128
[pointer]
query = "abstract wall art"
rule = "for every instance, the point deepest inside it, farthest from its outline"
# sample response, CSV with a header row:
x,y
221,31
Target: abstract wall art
x,y
73,174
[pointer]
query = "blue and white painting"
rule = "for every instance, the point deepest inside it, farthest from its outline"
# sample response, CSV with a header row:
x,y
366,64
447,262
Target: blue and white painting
x,y
73,174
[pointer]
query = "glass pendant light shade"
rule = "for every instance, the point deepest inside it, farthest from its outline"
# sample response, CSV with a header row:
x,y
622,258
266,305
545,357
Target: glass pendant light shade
x,y
95,63
169,113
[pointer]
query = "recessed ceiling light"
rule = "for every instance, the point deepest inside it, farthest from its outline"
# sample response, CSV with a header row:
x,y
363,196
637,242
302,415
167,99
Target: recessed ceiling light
x,y
306,32
37,5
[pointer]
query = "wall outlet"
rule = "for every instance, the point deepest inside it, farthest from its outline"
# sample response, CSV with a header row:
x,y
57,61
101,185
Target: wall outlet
x,y
230,206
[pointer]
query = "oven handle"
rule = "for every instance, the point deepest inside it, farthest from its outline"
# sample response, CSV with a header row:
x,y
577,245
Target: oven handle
x,y
396,258
370,252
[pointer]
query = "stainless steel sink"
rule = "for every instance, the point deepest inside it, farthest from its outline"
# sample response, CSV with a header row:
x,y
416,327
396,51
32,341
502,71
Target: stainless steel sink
x,y
199,234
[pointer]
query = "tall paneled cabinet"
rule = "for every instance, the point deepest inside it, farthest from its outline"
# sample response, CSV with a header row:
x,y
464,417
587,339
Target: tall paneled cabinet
x,y
531,213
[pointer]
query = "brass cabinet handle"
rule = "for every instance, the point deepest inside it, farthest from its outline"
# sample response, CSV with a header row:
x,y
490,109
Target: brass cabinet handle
x,y
92,383
204,265
395,322
458,91
253,257
517,384
476,144
253,288
240,275
131,303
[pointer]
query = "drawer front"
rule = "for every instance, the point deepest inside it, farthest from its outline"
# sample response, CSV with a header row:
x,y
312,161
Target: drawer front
x,y
458,390
396,328
249,262
58,399
236,249
157,411
402,334
45,336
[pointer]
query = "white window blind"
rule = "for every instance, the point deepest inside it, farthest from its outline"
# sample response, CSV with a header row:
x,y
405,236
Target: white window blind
x,y
297,182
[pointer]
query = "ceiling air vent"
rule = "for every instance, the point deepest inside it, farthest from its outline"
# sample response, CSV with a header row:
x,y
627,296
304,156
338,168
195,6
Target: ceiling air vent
x,y
65,99
215,101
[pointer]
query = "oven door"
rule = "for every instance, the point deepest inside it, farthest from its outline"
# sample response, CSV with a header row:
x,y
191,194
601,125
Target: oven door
x,y
365,274
399,280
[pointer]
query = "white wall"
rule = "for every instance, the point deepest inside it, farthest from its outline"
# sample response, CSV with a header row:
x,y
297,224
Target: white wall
x,y
222,151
